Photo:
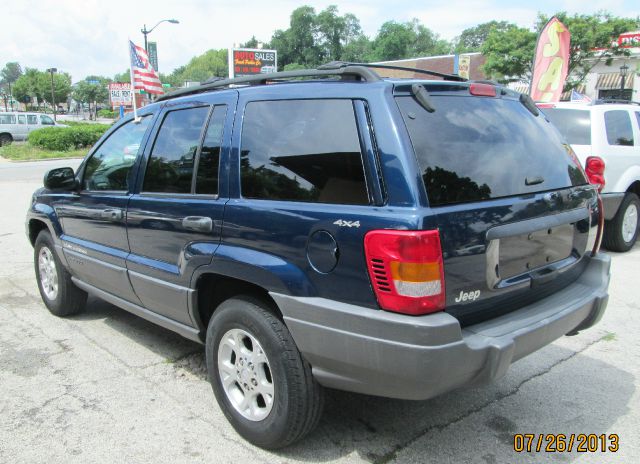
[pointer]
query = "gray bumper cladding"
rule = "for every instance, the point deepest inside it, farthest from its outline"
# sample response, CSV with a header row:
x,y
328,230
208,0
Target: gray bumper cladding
x,y
393,355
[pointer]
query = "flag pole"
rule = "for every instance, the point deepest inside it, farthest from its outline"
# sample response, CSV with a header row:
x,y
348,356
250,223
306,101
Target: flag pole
x,y
133,87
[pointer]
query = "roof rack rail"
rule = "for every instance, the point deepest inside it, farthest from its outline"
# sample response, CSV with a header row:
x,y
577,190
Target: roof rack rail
x,y
346,72
445,76
605,101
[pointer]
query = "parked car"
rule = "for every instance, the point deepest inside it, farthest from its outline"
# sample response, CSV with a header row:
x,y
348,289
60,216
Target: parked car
x,y
16,126
606,137
392,237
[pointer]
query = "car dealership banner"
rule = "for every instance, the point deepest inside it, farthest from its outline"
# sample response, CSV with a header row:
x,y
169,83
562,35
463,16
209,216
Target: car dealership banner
x,y
551,62
120,94
250,61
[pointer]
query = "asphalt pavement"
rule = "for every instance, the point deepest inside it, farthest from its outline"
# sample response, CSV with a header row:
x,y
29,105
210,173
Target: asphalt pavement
x,y
106,386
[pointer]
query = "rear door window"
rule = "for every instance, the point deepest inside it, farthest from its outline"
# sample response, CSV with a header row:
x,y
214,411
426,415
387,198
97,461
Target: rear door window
x,y
170,166
475,148
32,119
618,126
302,150
574,125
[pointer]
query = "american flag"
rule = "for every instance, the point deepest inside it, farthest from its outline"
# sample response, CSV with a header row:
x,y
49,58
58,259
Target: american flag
x,y
144,76
578,97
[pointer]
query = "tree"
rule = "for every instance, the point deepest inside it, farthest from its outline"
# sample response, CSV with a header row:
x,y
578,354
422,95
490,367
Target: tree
x,y
9,75
471,39
509,51
61,87
406,40
89,92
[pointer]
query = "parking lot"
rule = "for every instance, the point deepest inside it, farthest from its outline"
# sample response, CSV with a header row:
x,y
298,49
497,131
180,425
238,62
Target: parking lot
x,y
107,386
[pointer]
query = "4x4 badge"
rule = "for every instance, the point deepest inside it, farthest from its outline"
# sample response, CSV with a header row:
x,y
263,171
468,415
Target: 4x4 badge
x,y
343,223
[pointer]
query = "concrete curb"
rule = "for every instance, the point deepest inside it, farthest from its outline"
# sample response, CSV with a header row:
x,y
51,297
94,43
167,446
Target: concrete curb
x,y
5,160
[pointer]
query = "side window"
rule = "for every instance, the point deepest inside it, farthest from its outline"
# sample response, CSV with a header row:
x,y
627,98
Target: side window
x,y
209,160
170,166
638,118
32,119
22,119
108,168
302,150
46,120
7,118
618,125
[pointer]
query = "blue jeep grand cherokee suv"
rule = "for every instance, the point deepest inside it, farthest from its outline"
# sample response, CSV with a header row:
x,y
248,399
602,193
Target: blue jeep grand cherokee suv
x,y
392,237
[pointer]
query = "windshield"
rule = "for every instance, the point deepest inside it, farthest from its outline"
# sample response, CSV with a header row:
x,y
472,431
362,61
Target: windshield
x,y
475,148
574,125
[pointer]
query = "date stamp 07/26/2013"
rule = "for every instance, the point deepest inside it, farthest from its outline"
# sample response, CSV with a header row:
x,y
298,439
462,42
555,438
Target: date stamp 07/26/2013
x,y
566,443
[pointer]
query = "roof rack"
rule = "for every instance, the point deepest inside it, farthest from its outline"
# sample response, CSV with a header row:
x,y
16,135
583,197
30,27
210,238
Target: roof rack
x,y
346,72
606,101
445,76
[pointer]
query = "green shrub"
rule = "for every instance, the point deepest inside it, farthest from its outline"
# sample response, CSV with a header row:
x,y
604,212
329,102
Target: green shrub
x,y
67,138
105,113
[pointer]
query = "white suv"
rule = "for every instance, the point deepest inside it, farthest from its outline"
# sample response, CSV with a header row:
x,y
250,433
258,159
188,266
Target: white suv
x,y
609,130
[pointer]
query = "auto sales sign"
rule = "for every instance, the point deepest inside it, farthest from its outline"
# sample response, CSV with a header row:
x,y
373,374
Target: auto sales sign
x,y
120,94
250,61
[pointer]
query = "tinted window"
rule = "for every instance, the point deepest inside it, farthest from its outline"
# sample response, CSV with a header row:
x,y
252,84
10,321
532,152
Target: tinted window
x,y
209,160
638,118
32,119
473,149
108,168
618,126
22,119
170,167
302,150
7,118
574,125
46,120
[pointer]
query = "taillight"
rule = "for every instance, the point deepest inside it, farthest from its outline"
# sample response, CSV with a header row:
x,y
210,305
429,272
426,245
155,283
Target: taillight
x,y
482,90
594,169
406,270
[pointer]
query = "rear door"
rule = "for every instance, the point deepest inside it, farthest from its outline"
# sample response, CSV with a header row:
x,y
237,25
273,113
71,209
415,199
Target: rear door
x,y
175,217
32,122
513,208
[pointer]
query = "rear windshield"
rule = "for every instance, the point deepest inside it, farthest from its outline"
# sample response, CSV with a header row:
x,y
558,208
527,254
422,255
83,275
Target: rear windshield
x,y
575,125
477,148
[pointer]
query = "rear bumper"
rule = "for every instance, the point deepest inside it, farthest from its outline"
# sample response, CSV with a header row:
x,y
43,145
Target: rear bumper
x,y
611,203
393,355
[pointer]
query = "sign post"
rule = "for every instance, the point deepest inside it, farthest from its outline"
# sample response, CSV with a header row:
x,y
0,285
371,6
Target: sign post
x,y
252,61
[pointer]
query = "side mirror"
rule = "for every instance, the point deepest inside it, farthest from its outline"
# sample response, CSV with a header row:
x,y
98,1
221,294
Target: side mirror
x,y
60,179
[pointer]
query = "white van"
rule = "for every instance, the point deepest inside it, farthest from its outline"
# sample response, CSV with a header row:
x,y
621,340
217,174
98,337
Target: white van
x,y
16,126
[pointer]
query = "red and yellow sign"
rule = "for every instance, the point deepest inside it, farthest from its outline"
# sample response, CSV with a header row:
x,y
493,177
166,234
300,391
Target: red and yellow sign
x,y
551,62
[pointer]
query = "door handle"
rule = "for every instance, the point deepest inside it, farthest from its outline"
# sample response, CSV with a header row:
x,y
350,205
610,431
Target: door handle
x,y
112,214
198,223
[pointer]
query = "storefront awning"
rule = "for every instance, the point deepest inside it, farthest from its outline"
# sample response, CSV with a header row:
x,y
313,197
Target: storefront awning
x,y
610,81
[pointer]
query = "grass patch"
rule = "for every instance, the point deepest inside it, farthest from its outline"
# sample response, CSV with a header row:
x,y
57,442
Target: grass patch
x,y
27,152
609,337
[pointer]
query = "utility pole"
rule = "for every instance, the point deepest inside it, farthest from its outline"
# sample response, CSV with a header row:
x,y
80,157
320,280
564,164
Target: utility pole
x,y
53,95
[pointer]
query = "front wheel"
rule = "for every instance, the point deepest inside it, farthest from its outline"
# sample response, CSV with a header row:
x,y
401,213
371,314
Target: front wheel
x,y
621,232
58,292
262,384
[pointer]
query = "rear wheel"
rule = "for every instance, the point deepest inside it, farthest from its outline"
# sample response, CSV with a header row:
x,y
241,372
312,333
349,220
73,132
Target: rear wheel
x,y
5,139
58,292
262,384
621,232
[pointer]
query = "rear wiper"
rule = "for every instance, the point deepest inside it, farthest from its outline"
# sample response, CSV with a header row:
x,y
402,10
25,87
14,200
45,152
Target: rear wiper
x,y
422,96
529,104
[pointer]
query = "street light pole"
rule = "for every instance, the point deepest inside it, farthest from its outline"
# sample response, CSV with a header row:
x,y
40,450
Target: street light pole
x,y
53,95
146,31
623,73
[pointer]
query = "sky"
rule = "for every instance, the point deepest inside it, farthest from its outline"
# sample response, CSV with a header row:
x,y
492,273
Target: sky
x,y
89,37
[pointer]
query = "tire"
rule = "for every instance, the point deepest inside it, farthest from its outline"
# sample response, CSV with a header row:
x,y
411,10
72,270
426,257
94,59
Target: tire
x,y
5,139
59,294
621,232
296,400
